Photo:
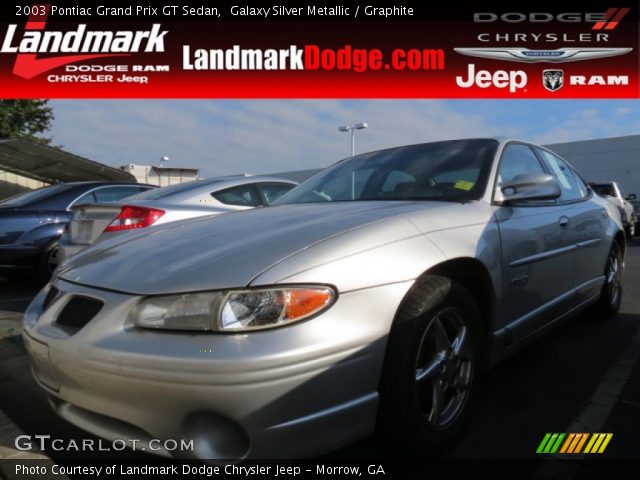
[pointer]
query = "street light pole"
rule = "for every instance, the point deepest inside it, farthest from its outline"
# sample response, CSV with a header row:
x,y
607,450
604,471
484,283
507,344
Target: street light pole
x,y
352,129
353,142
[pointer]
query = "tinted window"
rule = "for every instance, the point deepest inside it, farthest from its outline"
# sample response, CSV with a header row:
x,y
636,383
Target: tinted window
x,y
86,198
27,198
395,179
447,171
242,195
273,191
113,194
517,159
345,186
570,186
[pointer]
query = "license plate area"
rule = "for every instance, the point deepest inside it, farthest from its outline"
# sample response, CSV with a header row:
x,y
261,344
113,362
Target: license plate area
x,y
41,362
84,231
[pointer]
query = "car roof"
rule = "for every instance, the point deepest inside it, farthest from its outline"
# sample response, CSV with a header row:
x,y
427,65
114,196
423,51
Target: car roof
x,y
99,183
189,190
231,181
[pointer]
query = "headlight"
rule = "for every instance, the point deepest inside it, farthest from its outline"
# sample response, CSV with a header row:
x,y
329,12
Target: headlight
x,y
190,311
254,309
234,310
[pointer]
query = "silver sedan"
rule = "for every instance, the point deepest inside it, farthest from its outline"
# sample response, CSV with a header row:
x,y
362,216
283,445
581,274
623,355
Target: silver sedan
x,y
96,222
372,296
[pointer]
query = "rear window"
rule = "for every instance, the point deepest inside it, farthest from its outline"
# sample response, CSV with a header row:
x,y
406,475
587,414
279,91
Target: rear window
x,y
33,196
241,195
165,192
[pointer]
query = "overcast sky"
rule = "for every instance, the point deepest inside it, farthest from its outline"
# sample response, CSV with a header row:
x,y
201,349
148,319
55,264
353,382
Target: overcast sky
x,y
224,137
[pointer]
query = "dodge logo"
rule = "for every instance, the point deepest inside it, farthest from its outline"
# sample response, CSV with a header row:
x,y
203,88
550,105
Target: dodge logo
x,y
553,79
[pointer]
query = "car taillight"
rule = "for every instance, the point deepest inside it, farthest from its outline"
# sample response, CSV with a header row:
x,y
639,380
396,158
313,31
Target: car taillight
x,y
134,217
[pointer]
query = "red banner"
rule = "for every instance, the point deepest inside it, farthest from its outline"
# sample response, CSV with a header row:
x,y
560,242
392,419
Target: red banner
x,y
354,51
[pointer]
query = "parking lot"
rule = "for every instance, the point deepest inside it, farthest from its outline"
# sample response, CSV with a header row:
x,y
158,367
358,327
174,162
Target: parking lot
x,y
582,377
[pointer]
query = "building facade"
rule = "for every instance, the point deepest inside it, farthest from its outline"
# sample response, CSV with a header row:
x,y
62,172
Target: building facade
x,y
615,159
161,176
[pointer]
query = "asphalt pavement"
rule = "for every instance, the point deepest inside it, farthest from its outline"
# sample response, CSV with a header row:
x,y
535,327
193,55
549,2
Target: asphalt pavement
x,y
583,376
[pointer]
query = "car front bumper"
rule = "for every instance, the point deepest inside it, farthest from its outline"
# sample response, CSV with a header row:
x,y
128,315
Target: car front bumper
x,y
288,392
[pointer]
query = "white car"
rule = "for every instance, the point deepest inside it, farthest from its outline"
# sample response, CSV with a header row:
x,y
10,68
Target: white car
x,y
611,191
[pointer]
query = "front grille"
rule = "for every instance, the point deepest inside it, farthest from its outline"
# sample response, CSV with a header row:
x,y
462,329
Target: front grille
x,y
79,311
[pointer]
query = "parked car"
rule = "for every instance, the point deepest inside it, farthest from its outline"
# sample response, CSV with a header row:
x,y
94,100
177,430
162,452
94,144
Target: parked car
x,y
32,222
612,192
370,296
214,196
633,199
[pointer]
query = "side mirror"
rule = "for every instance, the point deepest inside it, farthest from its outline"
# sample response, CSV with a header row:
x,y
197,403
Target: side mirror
x,y
530,186
631,196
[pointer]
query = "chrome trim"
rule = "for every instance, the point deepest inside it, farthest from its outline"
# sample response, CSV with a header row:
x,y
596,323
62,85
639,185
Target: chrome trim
x,y
588,243
543,256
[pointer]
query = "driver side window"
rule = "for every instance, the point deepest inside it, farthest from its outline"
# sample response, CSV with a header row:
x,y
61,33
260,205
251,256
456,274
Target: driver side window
x,y
517,159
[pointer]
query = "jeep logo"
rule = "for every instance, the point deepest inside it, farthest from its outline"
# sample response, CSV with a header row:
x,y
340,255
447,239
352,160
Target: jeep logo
x,y
513,80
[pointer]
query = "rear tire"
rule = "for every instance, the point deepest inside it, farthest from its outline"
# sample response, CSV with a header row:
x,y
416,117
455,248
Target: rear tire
x,y
611,294
431,367
47,262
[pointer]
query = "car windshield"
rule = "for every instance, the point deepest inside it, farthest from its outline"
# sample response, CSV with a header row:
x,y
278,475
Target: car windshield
x,y
27,198
455,171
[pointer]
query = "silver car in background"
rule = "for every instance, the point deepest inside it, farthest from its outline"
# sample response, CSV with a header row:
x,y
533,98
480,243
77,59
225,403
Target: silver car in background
x,y
612,192
99,221
371,296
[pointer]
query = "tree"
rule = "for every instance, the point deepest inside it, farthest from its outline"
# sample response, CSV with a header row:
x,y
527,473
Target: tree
x,y
25,119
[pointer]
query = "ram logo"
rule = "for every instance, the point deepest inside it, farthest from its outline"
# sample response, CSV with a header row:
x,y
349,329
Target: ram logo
x,y
553,80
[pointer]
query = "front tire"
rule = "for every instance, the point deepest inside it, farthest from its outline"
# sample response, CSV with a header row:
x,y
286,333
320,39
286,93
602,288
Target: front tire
x,y
431,367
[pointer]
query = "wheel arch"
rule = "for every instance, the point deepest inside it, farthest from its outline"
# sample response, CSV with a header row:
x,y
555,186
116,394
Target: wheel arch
x,y
472,274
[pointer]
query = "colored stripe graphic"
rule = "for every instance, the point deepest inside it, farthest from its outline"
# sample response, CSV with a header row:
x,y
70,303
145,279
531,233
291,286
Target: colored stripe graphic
x,y
607,16
572,443
614,23
543,443
611,19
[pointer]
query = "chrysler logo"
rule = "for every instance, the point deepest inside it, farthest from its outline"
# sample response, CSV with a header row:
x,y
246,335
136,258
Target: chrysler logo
x,y
552,56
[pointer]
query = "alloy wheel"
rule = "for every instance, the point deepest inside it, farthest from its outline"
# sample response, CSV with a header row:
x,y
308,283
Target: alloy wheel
x,y
613,277
444,368
52,260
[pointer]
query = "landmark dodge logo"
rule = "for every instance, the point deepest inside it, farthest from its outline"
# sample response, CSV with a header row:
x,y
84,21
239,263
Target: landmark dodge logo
x,y
92,43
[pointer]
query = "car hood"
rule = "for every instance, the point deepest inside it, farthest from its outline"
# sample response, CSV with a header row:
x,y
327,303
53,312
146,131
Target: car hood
x,y
228,251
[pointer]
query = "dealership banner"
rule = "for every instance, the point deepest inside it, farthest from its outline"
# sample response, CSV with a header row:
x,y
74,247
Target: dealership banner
x,y
319,50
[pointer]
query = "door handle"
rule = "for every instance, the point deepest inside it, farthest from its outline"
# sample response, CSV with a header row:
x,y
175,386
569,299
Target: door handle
x,y
563,221
604,213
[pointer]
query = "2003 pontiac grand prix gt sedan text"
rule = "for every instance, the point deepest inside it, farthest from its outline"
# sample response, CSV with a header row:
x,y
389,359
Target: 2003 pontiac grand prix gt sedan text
x,y
371,296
